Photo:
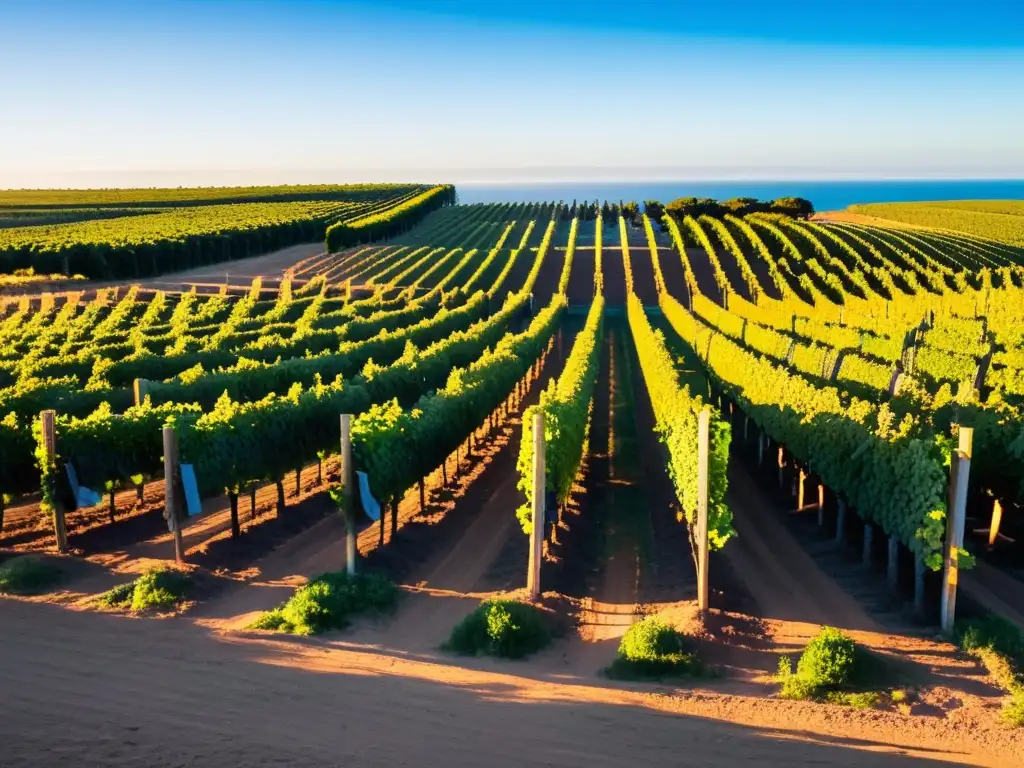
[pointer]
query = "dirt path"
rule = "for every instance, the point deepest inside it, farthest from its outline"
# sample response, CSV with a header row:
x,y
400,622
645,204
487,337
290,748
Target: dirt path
x,y
93,690
617,500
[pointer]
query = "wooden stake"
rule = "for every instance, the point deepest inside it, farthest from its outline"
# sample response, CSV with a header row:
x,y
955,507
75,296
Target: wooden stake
x,y
539,492
236,529
919,583
394,518
703,451
172,478
423,496
892,572
960,470
347,480
782,463
49,427
141,389
821,505
997,521
868,534
841,522
800,489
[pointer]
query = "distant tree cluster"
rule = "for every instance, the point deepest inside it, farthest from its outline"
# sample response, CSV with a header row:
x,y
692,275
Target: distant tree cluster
x,y
610,212
794,207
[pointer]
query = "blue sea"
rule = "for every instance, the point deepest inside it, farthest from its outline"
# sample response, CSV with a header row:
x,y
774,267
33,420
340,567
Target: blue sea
x,y
826,195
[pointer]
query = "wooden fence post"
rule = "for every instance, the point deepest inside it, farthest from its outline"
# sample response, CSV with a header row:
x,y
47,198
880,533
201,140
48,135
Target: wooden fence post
x,y
782,463
141,389
892,567
801,478
841,521
347,477
960,470
539,493
821,505
171,480
703,451
49,425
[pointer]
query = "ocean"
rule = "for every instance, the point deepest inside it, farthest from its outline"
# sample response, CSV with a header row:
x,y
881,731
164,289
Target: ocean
x,y
826,195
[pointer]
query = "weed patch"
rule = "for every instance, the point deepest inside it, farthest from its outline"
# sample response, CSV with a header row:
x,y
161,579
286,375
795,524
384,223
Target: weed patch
x,y
160,589
29,575
651,649
327,602
999,644
833,668
506,628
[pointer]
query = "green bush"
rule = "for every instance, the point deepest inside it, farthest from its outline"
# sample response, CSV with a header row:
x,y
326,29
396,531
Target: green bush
x,y
1013,712
327,602
1000,646
157,589
830,662
27,575
504,628
653,649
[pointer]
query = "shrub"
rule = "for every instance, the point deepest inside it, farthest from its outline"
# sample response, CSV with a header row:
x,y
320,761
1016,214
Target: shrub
x,y
27,575
830,662
506,628
652,649
327,602
1000,646
157,589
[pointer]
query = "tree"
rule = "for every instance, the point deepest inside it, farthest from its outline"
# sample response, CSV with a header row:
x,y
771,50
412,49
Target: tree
x,y
631,211
797,207
654,210
693,206
741,206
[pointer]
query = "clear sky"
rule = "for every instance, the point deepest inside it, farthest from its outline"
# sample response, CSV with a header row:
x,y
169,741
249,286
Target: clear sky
x,y
226,91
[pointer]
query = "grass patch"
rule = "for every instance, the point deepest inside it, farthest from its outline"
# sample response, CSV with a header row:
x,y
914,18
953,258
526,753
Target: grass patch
x,y
834,668
999,644
159,589
29,575
650,650
327,602
506,628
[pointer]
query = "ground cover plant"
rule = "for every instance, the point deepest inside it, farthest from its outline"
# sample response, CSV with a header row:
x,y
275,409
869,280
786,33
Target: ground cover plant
x,y
652,649
28,574
159,589
329,602
999,645
506,628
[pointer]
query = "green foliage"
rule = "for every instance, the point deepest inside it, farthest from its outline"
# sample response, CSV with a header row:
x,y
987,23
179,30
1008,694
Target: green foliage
x,y
566,408
676,413
390,221
506,628
1000,646
329,602
28,574
1000,220
159,589
829,665
653,649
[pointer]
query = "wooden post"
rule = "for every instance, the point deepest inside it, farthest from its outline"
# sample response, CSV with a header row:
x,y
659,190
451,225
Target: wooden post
x,y
841,522
868,537
782,463
800,489
960,470
252,501
49,426
703,451
423,496
141,389
997,521
760,448
892,568
171,481
347,478
394,518
919,583
821,505
746,426
539,493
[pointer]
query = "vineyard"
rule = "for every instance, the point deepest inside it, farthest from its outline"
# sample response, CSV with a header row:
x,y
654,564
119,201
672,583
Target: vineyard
x,y
633,393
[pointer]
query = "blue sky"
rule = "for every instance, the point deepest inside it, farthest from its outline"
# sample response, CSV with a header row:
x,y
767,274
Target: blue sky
x,y
310,90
